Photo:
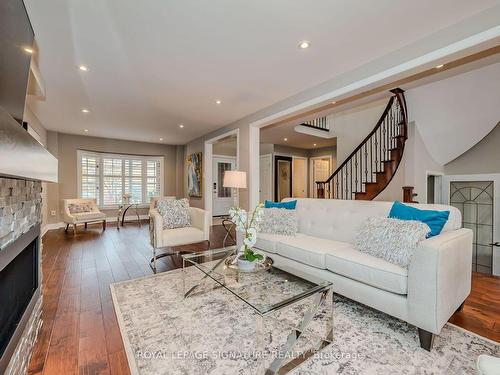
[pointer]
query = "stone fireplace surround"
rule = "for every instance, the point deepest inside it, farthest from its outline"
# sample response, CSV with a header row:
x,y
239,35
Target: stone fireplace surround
x,y
20,219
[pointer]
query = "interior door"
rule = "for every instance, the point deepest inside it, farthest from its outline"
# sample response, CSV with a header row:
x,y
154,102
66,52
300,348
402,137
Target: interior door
x,y
299,174
476,196
266,178
222,197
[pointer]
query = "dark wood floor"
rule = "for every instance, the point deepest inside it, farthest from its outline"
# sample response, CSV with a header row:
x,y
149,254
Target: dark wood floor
x,y
80,332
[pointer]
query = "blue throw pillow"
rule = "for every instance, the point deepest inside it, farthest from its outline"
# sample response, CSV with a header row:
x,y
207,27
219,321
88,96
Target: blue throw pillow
x,y
290,205
434,219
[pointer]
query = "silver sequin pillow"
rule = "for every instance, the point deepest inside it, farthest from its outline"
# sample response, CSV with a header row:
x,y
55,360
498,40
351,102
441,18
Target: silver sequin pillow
x,y
175,213
391,239
279,221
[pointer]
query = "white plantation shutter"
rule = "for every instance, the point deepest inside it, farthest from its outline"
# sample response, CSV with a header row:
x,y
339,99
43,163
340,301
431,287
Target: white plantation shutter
x,y
153,179
107,177
89,177
133,180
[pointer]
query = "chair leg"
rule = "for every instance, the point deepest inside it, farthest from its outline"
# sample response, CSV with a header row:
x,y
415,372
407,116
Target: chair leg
x,y
67,226
104,225
154,260
426,339
74,229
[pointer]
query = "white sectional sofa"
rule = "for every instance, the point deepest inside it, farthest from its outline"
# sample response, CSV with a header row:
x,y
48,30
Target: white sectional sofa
x,y
426,294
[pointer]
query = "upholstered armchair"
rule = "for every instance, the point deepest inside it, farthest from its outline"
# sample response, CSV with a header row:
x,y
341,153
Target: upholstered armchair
x,y
82,211
199,231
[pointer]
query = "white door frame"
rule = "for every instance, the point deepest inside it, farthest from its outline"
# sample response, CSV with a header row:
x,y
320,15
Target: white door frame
x,y
207,167
271,173
495,177
306,177
438,186
312,183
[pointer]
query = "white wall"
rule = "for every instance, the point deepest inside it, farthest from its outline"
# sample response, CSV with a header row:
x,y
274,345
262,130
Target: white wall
x,y
454,114
353,125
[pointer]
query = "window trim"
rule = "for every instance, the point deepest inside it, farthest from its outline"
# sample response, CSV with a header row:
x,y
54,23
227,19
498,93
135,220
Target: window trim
x,y
101,155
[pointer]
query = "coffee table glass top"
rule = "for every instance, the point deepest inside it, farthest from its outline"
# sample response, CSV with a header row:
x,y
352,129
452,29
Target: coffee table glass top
x,y
265,291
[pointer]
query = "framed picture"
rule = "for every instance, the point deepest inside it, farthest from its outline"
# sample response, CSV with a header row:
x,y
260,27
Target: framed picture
x,y
194,174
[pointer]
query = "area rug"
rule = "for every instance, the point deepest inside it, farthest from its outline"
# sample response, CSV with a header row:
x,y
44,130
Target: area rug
x,y
214,333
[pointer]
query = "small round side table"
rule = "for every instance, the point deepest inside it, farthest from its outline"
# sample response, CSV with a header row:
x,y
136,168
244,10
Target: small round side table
x,y
122,210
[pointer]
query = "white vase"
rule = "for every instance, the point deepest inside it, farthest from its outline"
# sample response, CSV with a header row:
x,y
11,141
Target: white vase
x,y
246,265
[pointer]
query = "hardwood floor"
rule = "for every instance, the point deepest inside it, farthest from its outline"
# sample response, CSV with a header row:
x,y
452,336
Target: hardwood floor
x,y
80,333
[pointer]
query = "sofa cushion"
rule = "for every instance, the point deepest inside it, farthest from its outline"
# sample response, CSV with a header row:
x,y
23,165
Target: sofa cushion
x,y
340,220
308,250
88,216
268,242
351,263
181,236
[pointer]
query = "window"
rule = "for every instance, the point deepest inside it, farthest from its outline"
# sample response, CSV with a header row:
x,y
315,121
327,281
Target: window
x,y
107,177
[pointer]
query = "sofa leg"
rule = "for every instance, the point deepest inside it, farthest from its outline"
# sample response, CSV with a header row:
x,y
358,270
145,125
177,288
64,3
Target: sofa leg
x,y
461,307
67,227
104,225
74,229
85,225
426,339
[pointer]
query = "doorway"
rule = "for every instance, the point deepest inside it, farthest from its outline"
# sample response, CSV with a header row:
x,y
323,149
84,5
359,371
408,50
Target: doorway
x,y
476,196
222,197
299,177
225,149
282,177
320,170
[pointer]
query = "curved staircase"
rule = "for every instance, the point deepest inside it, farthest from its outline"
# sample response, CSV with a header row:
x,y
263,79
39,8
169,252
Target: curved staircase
x,y
373,164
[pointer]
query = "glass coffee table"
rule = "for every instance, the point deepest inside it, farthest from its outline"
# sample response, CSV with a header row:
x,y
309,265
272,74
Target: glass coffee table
x,y
266,291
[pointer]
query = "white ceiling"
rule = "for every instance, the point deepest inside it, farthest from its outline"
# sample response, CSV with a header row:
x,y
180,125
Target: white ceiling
x,y
155,64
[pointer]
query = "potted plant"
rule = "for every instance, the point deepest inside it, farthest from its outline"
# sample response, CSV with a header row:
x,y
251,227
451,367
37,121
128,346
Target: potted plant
x,y
248,258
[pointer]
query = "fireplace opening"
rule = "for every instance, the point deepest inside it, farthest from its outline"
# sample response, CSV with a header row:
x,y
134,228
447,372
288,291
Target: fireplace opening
x,y
18,283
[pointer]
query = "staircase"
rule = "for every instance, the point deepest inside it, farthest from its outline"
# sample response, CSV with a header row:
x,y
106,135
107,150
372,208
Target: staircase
x,y
373,164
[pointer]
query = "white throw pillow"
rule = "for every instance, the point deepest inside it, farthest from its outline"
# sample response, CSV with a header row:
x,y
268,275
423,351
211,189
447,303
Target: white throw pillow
x,y
391,239
279,221
175,213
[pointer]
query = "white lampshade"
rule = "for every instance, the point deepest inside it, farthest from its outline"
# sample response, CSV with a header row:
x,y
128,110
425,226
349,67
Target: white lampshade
x,y
235,179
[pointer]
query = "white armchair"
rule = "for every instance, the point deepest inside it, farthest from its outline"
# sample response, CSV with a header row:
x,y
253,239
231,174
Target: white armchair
x,y
82,211
199,231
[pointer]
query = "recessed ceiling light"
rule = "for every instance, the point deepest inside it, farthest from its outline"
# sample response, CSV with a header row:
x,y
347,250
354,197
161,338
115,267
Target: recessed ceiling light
x,y
285,139
439,66
28,50
86,130
314,144
334,102
161,139
181,126
304,44
85,110
218,101
84,68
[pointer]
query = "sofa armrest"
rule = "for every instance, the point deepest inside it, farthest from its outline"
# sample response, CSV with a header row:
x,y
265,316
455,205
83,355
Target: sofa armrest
x,y
67,217
155,228
200,219
439,278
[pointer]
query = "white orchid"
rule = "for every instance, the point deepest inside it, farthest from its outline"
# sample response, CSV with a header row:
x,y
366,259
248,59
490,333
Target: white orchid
x,y
250,227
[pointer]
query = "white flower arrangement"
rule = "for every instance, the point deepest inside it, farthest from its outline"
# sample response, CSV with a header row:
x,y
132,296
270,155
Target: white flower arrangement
x,y
126,197
249,226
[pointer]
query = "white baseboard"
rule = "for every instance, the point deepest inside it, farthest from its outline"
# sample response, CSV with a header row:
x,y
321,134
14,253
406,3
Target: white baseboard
x,y
111,219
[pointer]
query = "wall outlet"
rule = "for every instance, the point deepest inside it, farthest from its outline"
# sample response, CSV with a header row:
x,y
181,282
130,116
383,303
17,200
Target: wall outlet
x,y
53,213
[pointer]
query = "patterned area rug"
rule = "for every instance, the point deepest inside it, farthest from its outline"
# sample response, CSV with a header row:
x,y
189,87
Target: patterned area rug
x,y
214,333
